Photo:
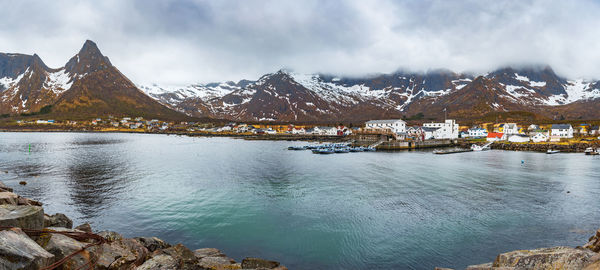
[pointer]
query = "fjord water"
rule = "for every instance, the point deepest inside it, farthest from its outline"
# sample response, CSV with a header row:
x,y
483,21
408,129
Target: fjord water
x,y
402,210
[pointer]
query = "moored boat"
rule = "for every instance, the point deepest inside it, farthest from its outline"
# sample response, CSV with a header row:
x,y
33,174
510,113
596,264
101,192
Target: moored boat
x,y
370,149
357,149
550,151
323,151
591,151
341,150
297,148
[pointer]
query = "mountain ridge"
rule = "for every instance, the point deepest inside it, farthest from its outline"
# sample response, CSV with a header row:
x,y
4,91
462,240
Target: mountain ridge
x,y
87,86
535,89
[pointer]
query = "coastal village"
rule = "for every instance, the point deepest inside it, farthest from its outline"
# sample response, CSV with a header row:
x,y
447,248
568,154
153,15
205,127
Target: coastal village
x,y
387,129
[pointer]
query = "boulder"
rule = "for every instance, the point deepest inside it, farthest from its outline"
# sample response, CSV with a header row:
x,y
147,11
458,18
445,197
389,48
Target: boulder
x,y
119,253
8,198
483,266
84,227
4,187
182,255
26,201
111,236
251,263
152,243
208,252
159,262
219,263
545,258
61,246
22,216
594,242
58,220
595,265
18,251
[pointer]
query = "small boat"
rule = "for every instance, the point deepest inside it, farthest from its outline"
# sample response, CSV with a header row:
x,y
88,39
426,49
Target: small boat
x,y
475,147
550,151
323,151
297,148
357,149
370,149
341,150
591,151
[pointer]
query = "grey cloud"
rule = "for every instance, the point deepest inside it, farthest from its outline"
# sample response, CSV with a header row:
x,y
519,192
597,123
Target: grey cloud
x,y
178,42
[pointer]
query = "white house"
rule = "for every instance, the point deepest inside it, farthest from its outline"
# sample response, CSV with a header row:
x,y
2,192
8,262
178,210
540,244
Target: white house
x,y
495,136
395,125
561,131
477,132
330,131
446,130
518,138
421,133
510,128
296,130
540,137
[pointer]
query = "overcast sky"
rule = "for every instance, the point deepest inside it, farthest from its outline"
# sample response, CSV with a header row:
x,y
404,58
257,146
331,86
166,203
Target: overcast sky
x,y
180,42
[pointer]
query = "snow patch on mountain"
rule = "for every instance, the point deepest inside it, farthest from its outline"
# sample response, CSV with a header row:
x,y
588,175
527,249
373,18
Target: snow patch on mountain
x,y
59,81
528,81
177,94
576,90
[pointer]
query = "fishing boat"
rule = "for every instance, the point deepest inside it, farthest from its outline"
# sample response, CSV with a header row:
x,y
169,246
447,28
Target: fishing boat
x,y
341,150
550,151
591,151
370,149
323,151
296,148
357,149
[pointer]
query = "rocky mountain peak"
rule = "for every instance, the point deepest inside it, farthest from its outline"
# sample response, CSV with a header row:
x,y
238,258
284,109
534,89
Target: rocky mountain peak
x,y
88,60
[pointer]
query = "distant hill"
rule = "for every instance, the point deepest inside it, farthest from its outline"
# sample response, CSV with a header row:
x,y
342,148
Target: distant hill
x,y
287,96
87,86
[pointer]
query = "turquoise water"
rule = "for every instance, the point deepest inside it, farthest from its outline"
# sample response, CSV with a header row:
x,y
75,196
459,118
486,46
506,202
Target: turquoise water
x,y
403,210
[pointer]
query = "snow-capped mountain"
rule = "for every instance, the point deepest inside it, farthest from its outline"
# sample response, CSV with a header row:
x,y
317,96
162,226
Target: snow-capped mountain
x,y
288,96
87,86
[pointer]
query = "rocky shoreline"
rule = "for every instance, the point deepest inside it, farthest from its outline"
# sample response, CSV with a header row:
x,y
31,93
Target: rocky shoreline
x,y
32,239
578,147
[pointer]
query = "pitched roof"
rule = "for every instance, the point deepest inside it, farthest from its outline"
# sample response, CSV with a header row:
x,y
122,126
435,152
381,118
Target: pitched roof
x,y
386,121
561,126
495,135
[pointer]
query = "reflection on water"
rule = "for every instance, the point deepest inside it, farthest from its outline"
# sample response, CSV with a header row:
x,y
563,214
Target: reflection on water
x,y
96,180
405,210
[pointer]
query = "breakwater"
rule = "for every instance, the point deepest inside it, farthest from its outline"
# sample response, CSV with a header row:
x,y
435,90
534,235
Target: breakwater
x,y
543,147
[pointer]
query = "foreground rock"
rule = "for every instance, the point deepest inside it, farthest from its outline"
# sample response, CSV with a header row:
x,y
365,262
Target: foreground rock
x,y
22,216
257,263
119,253
565,258
61,246
14,199
58,220
594,242
84,227
18,251
3,187
152,243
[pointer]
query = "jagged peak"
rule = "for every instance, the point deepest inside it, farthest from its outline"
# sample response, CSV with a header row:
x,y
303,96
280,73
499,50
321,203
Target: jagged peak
x,y
89,59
